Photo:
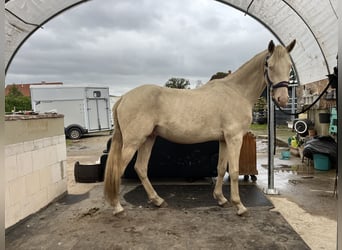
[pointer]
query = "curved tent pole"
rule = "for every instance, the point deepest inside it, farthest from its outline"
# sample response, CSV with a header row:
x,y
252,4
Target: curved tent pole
x,y
34,30
266,26
22,20
303,20
313,34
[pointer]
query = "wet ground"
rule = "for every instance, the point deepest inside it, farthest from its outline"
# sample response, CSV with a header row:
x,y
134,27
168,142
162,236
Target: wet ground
x,y
298,181
304,214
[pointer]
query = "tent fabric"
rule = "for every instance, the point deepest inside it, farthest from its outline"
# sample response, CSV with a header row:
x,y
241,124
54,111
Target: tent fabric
x,y
313,23
23,17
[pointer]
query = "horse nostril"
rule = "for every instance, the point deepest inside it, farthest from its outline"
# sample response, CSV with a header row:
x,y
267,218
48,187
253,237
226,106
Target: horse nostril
x,y
282,102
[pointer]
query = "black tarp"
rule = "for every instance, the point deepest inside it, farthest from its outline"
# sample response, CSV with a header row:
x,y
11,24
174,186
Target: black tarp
x,y
321,145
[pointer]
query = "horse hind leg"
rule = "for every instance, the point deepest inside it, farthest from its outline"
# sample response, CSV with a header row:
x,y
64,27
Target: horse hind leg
x,y
221,170
141,166
126,156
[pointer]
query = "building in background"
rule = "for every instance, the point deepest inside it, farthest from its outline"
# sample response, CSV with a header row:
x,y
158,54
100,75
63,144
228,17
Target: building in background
x,y
24,88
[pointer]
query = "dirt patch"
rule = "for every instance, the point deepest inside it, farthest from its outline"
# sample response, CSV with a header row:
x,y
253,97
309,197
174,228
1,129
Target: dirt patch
x,y
83,220
89,224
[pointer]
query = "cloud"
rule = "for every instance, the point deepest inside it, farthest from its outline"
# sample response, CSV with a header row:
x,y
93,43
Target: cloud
x,y
126,43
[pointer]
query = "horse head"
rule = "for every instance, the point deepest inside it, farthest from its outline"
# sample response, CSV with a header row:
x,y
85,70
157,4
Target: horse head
x,y
277,71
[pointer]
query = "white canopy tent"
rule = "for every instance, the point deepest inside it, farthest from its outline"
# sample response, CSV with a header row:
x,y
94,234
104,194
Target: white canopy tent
x,y
24,17
313,23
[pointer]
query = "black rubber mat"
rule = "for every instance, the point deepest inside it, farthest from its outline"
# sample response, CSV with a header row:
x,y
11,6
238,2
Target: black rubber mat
x,y
191,196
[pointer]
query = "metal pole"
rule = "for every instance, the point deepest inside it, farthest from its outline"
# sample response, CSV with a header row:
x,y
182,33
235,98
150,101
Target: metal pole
x,y
339,137
270,127
293,104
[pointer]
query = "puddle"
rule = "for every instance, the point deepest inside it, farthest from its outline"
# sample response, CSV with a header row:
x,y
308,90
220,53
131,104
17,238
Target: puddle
x,y
297,169
295,182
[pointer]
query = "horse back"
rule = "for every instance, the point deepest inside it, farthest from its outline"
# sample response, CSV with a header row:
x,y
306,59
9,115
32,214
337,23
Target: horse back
x,y
183,115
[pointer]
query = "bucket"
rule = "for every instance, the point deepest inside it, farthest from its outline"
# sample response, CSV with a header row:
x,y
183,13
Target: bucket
x,y
321,162
285,155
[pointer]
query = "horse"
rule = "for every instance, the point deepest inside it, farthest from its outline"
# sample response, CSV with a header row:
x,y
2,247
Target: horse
x,y
219,110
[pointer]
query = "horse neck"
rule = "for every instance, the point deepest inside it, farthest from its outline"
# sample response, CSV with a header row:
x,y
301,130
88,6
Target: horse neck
x,y
249,79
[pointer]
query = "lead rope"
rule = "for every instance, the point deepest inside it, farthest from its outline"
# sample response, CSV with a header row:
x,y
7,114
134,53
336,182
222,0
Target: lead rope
x,y
307,108
271,87
268,81
297,113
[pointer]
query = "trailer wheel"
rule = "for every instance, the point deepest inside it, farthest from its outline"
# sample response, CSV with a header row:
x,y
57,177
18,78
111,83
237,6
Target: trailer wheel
x,y
74,133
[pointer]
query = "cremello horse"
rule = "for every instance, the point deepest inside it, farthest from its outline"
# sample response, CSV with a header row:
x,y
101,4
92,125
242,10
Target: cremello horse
x,y
219,110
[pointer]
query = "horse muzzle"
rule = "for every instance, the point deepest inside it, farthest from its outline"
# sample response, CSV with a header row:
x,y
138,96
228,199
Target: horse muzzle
x,y
281,94
282,101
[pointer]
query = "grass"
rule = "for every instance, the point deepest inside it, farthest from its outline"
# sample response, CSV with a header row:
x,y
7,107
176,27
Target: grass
x,y
282,131
68,142
259,129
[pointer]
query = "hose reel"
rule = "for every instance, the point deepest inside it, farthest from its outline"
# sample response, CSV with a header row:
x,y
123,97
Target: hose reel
x,y
302,127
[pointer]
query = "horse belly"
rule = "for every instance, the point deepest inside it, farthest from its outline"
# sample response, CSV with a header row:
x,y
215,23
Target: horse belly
x,y
188,135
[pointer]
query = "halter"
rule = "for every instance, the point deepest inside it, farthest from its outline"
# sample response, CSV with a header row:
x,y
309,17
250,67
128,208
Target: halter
x,y
282,84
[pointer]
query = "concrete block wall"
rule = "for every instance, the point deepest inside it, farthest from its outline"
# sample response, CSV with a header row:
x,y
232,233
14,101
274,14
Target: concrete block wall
x,y
35,165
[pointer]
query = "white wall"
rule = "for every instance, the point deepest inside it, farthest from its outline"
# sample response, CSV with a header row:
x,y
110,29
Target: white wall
x,y
35,169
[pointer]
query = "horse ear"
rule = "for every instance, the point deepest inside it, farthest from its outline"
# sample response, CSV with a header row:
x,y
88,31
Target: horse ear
x,y
271,47
290,46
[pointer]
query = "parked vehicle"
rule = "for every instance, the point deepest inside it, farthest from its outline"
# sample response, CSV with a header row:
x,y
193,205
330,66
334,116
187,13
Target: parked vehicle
x,y
86,109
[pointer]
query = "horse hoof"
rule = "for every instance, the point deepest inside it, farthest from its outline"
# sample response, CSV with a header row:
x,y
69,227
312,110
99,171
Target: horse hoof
x,y
224,205
119,213
163,205
242,211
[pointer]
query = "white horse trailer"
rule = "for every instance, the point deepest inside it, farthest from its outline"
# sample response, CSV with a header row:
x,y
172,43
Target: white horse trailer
x,y
86,109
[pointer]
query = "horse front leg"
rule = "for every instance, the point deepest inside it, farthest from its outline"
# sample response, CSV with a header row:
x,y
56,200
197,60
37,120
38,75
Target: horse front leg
x,y
234,146
140,167
221,171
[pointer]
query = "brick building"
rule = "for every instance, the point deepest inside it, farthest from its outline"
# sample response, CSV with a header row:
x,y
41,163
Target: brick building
x,y
24,88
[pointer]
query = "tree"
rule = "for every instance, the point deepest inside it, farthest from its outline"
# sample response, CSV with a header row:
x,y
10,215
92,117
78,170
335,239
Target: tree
x,y
178,83
14,91
15,100
260,110
220,75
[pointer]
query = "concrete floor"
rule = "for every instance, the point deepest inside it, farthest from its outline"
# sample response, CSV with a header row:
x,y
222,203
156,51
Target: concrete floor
x,y
306,198
300,182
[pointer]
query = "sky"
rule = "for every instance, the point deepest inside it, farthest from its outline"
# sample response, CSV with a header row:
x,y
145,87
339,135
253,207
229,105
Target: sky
x,y
123,44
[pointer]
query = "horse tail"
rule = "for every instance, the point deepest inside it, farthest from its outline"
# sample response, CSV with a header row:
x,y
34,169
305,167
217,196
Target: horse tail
x,y
113,172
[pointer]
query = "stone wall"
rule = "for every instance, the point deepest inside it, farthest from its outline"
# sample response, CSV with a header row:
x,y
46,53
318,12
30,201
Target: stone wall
x,y
35,164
